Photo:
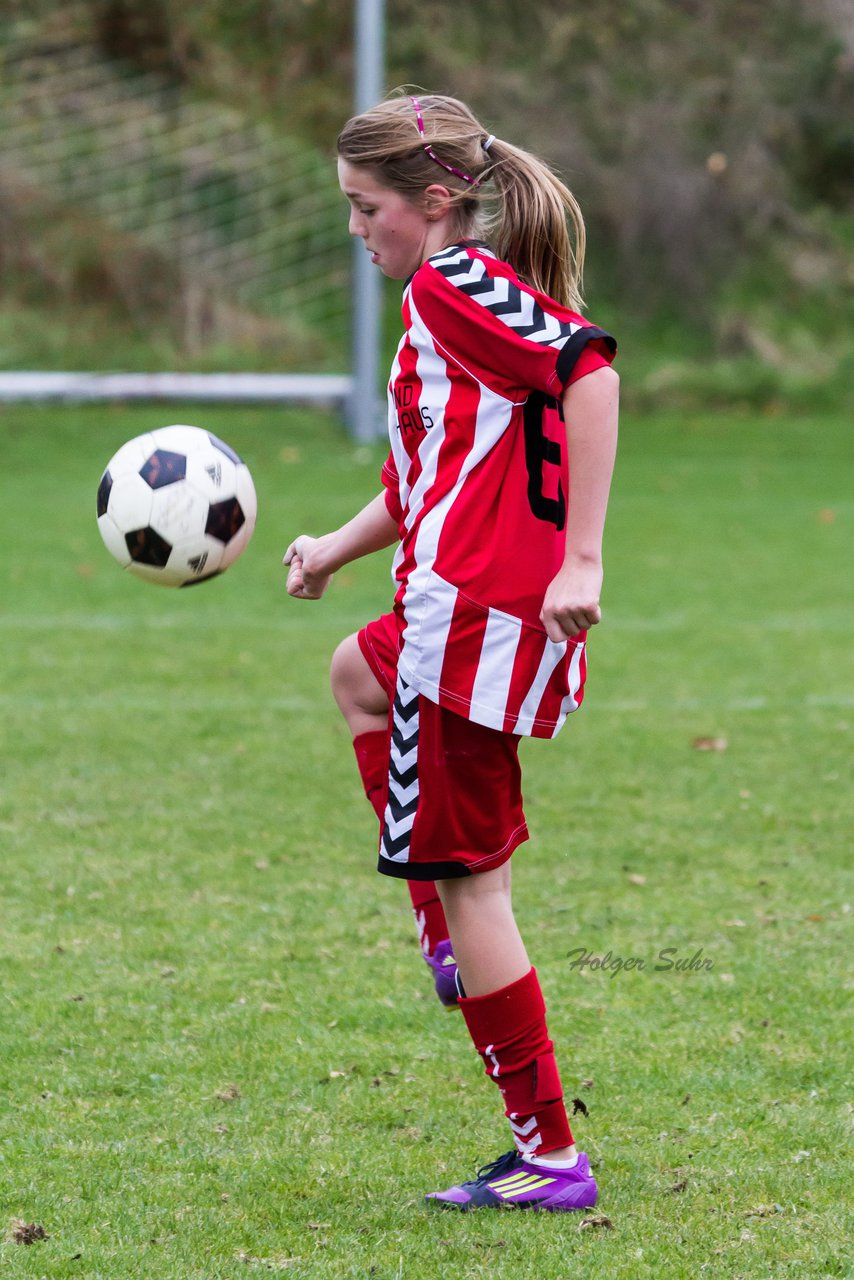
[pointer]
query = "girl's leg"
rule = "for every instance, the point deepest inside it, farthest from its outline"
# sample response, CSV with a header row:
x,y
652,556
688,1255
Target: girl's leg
x,y
364,704
487,943
504,1010
362,700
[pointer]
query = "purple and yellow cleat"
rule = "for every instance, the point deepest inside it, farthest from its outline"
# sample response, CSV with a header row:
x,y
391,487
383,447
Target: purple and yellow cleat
x,y
444,968
512,1183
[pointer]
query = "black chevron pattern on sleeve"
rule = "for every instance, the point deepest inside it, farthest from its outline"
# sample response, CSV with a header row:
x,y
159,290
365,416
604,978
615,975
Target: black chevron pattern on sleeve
x,y
518,309
515,307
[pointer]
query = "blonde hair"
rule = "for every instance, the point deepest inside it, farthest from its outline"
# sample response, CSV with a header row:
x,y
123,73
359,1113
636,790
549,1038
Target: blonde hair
x,y
528,228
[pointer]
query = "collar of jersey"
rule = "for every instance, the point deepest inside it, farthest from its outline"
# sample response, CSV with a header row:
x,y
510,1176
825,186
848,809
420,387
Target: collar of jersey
x,y
459,244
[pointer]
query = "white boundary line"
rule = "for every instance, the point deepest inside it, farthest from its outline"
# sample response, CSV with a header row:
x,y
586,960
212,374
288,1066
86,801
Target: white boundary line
x,y
281,388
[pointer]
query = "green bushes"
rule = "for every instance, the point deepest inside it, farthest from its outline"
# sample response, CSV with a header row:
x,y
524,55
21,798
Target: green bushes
x,y
710,144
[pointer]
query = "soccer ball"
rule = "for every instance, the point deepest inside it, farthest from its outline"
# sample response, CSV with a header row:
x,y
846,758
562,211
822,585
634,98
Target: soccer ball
x,y
176,506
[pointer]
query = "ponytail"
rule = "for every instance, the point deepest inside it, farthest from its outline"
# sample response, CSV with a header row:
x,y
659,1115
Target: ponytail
x,y
529,229
500,191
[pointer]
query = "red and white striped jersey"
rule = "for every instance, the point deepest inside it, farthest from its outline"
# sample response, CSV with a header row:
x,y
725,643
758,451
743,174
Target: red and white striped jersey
x,y
477,478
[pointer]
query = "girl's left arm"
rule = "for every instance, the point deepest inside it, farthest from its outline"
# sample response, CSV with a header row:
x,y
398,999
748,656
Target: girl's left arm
x,y
590,408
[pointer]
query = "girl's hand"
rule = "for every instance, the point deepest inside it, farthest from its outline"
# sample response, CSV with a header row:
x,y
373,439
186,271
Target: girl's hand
x,y
307,579
312,561
572,600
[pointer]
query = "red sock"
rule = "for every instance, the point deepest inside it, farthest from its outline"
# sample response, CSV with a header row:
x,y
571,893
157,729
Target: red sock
x,y
429,915
509,1031
372,758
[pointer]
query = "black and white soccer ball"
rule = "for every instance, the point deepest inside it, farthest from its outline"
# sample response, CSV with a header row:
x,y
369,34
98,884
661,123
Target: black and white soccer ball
x,y
176,506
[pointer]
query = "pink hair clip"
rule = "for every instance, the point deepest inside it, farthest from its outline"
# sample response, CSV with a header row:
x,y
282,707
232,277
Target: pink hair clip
x,y
458,173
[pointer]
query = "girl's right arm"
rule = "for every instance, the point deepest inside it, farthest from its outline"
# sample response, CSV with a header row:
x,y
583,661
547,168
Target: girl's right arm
x,y
312,561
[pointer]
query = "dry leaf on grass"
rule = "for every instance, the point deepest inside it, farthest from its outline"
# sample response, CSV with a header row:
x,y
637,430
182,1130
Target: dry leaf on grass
x,y
598,1220
710,744
268,1264
763,1211
229,1093
27,1232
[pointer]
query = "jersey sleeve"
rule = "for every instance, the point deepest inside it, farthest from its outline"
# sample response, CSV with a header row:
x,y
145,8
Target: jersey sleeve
x,y
391,484
509,337
588,361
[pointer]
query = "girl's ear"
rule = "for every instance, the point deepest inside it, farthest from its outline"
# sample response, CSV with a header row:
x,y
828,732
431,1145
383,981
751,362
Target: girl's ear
x,y
437,202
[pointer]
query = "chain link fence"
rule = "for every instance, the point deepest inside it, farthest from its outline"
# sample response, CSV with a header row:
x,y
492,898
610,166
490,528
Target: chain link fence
x,y
234,208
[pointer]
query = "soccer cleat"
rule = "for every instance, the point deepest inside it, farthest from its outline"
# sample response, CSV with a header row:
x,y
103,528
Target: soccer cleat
x,y
444,968
512,1183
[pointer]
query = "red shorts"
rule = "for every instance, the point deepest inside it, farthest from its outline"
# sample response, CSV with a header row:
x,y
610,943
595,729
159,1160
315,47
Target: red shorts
x,y
454,804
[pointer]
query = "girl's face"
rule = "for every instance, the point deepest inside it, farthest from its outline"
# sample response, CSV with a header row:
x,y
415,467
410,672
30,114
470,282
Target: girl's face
x,y
398,234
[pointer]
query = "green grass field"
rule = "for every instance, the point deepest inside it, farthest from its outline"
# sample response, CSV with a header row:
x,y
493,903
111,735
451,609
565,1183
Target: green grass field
x,y
219,1049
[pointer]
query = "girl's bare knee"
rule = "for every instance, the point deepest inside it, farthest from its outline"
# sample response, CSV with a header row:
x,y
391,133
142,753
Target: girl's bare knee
x,y
343,673
356,689
467,888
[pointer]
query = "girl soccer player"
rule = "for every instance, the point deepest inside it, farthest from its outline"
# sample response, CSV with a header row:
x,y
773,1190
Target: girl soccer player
x,y
503,423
